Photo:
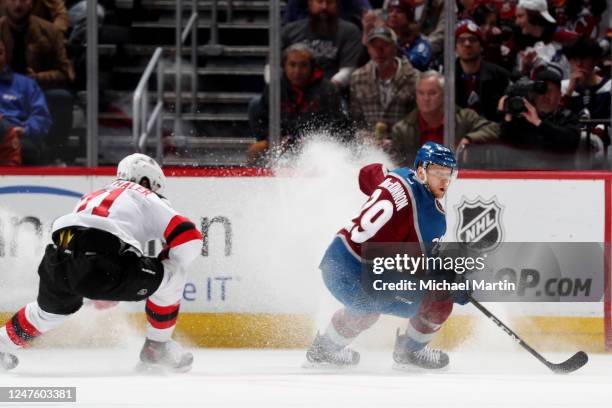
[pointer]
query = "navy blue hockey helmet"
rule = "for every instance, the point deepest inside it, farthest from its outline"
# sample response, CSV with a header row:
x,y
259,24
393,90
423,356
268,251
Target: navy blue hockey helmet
x,y
432,152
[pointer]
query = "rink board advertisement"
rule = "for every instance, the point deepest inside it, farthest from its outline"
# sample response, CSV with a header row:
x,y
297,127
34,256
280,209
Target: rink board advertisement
x,y
264,237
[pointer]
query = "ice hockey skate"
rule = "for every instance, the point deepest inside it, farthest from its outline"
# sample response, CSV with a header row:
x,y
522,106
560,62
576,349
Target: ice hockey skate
x,y
425,358
324,353
8,361
164,356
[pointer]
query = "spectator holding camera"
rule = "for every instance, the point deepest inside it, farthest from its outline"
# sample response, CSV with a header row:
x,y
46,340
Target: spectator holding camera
x,y
539,125
24,116
587,91
479,84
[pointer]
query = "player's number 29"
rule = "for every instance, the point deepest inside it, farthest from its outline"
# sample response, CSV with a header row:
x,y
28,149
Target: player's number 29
x,y
377,213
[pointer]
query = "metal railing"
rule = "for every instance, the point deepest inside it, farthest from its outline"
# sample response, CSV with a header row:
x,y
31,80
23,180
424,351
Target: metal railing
x,y
142,122
181,36
274,58
92,83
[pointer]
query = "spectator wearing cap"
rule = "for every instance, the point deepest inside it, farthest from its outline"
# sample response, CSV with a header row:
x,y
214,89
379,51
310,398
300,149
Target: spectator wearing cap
x,y
479,84
24,116
383,90
309,102
544,126
336,43
415,46
540,41
587,91
426,122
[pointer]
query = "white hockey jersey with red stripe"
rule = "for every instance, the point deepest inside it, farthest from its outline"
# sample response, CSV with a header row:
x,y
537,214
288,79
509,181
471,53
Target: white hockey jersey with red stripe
x,y
136,215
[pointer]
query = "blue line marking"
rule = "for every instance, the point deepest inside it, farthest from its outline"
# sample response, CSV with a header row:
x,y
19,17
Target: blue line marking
x,y
39,190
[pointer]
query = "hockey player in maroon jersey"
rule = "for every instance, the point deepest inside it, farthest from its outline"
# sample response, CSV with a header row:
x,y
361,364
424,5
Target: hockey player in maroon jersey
x,y
403,206
97,253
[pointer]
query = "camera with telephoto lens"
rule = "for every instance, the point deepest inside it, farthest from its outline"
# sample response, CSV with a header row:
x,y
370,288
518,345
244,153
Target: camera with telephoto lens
x,y
523,88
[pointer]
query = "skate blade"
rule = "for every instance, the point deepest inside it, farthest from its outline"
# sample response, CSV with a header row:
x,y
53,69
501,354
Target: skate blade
x,y
159,369
410,368
327,366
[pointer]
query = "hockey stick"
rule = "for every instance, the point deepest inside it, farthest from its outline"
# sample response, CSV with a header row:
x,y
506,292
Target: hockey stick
x,y
570,365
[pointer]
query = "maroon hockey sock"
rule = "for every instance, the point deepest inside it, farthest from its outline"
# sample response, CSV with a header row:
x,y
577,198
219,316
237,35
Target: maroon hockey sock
x,y
433,312
348,325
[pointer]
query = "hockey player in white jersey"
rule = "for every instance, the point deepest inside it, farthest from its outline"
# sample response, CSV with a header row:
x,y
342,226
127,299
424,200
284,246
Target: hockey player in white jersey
x,y
97,253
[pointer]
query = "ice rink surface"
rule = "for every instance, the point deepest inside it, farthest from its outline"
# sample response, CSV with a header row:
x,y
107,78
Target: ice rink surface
x,y
275,378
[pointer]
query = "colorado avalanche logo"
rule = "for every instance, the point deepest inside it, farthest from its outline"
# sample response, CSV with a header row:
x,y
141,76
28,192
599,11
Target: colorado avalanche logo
x,y
479,223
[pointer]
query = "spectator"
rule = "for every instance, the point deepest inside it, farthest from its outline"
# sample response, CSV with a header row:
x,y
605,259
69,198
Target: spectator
x,y
544,131
496,36
431,17
335,42
539,40
426,122
350,10
465,9
587,91
412,43
53,11
382,91
479,84
34,47
584,17
309,102
24,116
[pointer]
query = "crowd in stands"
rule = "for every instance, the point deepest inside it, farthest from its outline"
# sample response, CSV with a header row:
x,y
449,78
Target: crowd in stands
x,y
36,81
532,78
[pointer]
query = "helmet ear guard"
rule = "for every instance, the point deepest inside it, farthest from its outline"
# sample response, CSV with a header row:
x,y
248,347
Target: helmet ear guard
x,y
139,167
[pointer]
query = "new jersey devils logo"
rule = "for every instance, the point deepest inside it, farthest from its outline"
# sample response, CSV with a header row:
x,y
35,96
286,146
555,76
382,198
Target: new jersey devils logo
x,y
479,223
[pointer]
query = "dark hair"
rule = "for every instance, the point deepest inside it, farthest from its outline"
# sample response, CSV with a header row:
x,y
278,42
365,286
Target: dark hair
x,y
535,18
584,48
481,13
574,7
